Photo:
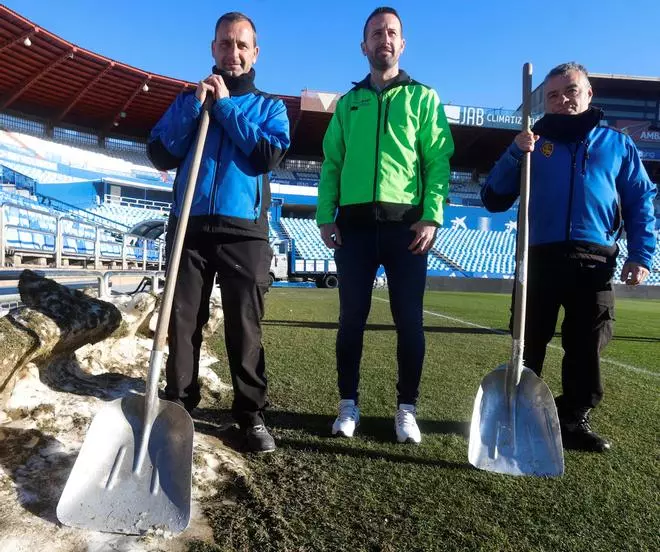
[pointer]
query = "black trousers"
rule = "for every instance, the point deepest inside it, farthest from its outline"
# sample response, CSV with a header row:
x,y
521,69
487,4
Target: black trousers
x,y
241,265
585,291
358,259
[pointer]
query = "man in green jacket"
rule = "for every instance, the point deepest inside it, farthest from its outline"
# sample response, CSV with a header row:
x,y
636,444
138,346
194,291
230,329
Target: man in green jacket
x,y
383,183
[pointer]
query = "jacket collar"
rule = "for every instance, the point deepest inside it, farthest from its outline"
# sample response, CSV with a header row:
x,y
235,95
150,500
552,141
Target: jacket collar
x,y
401,78
237,86
568,128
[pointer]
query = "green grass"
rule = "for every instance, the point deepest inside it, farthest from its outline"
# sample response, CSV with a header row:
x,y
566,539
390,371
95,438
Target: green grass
x,y
370,494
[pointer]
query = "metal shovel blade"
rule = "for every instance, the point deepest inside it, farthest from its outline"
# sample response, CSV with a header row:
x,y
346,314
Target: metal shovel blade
x,y
105,493
517,437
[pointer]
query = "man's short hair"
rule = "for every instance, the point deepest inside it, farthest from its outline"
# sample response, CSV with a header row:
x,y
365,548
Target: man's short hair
x,y
233,17
566,68
380,11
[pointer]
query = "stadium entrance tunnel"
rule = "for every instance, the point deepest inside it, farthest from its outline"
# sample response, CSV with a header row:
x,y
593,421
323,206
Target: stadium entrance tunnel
x,y
150,229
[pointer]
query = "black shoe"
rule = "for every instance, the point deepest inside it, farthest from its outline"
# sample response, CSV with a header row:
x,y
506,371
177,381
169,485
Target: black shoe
x,y
576,434
257,439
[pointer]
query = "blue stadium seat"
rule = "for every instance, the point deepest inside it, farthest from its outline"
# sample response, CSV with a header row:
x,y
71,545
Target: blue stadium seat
x,y
85,247
13,240
11,216
49,242
26,240
70,246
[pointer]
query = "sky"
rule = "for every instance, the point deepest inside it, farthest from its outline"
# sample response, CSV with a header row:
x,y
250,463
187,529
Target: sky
x,y
470,51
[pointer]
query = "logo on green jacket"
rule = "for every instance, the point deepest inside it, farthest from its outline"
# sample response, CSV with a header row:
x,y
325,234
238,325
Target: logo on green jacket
x,y
355,104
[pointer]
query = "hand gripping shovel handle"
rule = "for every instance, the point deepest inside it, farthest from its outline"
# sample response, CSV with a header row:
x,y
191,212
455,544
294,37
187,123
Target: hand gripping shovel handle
x,y
523,236
156,359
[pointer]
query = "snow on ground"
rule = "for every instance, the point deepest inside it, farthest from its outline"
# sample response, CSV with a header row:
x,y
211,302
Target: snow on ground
x,y
45,421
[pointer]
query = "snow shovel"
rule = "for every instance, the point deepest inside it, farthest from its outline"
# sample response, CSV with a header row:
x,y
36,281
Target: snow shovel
x,y
515,427
134,470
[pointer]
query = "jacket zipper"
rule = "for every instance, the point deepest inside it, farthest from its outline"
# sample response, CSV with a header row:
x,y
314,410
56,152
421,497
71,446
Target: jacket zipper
x,y
570,191
379,97
420,164
214,188
257,200
387,112
585,158
377,146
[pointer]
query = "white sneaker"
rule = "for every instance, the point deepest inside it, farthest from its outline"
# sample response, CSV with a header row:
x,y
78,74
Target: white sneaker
x,y
348,419
406,425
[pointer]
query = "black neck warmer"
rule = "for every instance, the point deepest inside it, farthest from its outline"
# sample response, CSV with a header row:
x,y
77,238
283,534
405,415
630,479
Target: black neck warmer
x,y
568,128
237,86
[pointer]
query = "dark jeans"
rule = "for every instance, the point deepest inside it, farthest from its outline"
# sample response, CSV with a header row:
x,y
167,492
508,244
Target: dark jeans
x,y
584,289
362,252
242,268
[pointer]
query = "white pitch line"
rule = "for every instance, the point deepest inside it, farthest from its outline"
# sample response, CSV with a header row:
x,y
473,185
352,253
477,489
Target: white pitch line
x,y
500,332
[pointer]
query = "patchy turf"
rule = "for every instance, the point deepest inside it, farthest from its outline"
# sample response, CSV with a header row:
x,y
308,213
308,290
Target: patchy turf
x,y
370,494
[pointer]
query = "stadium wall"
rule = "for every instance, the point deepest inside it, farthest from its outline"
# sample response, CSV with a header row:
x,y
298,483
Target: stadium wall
x,y
80,194
478,218
498,285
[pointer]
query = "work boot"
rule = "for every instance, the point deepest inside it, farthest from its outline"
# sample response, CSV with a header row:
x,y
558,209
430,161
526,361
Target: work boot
x,y
576,431
257,439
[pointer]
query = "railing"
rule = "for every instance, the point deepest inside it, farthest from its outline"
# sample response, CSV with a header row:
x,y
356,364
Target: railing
x,y
62,206
12,299
64,237
134,202
65,207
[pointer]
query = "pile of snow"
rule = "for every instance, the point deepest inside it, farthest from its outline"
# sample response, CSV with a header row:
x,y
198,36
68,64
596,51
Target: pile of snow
x,y
44,422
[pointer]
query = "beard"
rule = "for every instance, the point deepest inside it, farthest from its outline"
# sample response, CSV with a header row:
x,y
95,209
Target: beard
x,y
382,63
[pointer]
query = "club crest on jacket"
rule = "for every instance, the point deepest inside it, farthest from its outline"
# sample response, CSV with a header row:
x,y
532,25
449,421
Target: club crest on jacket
x,y
547,149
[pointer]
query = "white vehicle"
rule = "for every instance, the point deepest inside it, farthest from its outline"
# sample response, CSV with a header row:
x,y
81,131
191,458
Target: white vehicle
x,y
285,265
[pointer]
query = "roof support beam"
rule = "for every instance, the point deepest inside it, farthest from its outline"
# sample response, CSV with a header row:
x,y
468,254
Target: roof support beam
x,y
118,116
15,94
84,91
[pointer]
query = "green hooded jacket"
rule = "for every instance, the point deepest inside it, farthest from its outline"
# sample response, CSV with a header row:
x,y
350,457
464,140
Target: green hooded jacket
x,y
386,156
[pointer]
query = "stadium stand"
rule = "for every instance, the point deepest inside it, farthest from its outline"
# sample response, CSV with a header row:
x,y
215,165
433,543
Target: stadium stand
x,y
66,158
477,252
130,212
456,251
307,238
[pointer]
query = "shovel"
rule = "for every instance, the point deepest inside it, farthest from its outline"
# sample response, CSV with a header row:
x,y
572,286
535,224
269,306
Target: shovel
x,y
134,470
515,427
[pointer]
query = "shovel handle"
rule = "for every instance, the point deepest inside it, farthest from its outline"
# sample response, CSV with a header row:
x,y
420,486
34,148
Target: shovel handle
x,y
157,354
179,236
520,300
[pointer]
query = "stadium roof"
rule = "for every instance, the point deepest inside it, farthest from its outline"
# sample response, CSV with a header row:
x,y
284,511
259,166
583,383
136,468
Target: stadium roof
x,y
48,77
45,76
624,85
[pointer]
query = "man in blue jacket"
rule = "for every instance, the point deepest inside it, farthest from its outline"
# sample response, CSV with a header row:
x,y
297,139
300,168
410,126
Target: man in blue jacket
x,y
227,232
587,185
